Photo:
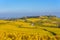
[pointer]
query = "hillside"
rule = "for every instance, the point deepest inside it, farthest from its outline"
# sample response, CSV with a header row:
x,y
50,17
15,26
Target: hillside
x,y
30,28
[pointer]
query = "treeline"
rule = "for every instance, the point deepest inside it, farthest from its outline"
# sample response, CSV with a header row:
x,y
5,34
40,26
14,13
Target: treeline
x,y
48,16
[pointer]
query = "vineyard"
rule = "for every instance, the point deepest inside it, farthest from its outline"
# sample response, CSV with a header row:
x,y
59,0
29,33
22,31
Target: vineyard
x,y
30,28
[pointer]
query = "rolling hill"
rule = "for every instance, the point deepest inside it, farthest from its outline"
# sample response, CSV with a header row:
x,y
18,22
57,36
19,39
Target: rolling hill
x,y
30,28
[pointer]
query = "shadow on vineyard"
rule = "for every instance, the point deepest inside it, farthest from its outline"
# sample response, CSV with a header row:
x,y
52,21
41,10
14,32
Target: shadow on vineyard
x,y
50,32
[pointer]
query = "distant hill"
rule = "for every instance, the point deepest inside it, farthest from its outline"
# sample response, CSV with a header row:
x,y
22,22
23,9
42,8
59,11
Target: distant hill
x,y
46,20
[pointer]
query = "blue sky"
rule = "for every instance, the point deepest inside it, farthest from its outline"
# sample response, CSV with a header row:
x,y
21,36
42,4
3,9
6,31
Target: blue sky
x,y
29,7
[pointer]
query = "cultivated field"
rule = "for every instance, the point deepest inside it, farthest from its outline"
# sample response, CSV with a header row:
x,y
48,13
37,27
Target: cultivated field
x,y
30,28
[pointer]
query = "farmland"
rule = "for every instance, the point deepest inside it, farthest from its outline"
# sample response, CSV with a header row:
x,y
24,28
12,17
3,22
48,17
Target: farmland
x,y
30,28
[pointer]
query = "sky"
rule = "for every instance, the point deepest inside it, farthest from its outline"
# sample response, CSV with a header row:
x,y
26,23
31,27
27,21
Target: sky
x,y
19,8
